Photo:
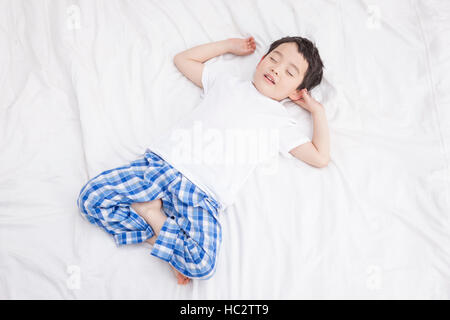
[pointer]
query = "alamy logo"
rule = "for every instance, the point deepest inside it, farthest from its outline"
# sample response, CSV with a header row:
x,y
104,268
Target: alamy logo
x,y
232,146
73,19
73,282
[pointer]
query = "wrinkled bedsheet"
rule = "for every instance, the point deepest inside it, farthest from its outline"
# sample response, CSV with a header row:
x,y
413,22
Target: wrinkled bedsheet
x,y
85,86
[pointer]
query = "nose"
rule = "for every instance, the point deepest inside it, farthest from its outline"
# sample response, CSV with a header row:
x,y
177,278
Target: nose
x,y
274,70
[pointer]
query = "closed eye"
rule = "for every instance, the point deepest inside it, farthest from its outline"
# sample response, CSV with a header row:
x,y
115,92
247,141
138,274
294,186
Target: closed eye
x,y
287,71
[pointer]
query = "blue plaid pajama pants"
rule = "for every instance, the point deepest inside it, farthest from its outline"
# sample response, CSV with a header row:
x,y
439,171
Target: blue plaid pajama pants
x,y
189,239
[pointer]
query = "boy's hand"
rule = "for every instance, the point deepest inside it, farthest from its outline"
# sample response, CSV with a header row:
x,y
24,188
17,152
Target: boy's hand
x,y
307,102
241,47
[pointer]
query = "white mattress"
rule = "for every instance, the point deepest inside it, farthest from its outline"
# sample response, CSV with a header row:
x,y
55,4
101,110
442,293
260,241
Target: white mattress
x,y
86,84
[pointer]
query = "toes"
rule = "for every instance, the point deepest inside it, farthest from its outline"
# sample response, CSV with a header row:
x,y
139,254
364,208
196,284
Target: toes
x,y
183,280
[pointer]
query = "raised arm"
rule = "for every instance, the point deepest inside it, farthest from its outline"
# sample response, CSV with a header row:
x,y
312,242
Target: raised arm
x,y
316,153
190,62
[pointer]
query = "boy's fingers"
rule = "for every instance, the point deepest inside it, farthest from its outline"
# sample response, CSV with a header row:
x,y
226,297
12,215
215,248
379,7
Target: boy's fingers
x,y
305,94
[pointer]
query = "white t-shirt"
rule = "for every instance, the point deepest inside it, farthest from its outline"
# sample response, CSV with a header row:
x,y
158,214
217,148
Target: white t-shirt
x,y
234,129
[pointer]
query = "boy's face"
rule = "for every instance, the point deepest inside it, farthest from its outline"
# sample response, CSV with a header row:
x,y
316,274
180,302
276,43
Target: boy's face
x,y
287,68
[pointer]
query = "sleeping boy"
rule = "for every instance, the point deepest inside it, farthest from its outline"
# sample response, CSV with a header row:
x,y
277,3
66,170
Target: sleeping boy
x,y
172,195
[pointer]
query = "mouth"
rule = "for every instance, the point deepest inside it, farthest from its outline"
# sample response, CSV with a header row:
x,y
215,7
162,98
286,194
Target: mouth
x,y
269,78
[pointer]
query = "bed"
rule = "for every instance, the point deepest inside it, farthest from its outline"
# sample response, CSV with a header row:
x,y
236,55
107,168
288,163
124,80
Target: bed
x,y
86,85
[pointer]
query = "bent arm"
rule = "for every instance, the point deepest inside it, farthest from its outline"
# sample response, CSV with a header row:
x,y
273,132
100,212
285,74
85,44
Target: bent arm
x,y
316,153
190,62
204,52
308,153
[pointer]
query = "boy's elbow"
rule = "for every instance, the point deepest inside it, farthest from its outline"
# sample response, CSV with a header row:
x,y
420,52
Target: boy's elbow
x,y
177,58
323,162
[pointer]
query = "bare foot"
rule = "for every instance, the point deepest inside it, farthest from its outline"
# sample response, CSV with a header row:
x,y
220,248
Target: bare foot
x,y
182,279
152,213
143,208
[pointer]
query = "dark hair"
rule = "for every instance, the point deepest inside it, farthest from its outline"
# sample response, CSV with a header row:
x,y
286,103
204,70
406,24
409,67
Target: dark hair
x,y
314,72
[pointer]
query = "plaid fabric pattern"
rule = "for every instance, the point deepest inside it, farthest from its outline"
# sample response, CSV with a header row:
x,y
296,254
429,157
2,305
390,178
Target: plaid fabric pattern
x,y
191,236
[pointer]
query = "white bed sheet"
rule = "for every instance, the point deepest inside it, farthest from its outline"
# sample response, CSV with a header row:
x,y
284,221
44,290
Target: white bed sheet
x,y
86,84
